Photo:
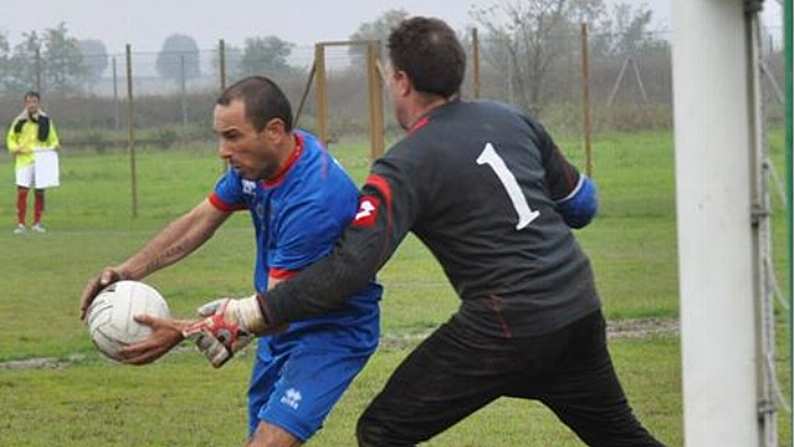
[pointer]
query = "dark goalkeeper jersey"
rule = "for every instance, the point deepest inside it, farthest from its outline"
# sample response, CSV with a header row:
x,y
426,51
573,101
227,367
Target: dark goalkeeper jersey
x,y
478,183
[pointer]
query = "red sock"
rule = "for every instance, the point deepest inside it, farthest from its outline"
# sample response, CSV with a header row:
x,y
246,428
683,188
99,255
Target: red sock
x,y
38,206
22,204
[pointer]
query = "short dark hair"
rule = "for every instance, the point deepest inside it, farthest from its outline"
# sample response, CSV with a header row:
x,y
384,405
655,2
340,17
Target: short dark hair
x,y
428,50
264,101
32,93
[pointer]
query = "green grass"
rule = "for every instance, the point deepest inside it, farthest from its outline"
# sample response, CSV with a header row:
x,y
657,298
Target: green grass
x,y
181,401
98,403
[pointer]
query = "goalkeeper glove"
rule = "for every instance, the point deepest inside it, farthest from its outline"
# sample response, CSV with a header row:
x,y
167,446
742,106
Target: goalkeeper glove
x,y
228,326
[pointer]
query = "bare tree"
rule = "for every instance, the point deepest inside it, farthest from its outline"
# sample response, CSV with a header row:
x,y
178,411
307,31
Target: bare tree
x,y
378,29
530,36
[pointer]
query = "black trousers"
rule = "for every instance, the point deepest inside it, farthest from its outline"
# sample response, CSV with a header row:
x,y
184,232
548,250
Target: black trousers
x,y
457,371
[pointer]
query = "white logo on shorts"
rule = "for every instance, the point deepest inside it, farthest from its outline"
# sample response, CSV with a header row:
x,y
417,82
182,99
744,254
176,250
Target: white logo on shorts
x,y
291,398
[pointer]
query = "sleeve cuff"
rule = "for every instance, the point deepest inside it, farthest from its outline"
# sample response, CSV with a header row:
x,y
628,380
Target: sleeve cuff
x,y
268,317
219,204
574,191
278,273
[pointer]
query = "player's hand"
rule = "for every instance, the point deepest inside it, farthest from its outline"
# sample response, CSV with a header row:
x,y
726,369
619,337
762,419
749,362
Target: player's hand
x,y
108,276
229,325
166,333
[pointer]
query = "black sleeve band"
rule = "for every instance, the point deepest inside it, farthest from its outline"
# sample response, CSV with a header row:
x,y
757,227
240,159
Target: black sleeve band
x,y
326,285
386,213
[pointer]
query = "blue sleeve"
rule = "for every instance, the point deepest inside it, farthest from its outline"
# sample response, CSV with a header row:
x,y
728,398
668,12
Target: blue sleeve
x,y
580,206
306,232
228,192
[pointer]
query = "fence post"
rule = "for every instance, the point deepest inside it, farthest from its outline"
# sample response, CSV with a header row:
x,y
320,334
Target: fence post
x,y
222,76
321,117
222,63
376,90
182,93
116,111
586,100
38,70
308,86
130,134
476,63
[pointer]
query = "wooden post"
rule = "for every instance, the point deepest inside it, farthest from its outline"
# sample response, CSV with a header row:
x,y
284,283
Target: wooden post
x,y
38,70
321,114
222,63
130,134
305,95
640,82
617,84
376,91
116,113
183,90
586,101
222,77
475,63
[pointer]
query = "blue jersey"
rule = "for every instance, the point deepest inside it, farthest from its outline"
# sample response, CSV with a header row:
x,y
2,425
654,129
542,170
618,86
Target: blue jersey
x,y
298,216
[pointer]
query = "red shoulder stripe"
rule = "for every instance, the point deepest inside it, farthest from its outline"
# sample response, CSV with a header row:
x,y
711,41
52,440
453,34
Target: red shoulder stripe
x,y
380,184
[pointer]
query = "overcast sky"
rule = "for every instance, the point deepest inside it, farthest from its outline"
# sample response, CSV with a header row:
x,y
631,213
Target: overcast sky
x,y
146,23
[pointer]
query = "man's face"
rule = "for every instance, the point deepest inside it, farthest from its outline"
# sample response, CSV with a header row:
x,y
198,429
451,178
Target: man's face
x,y
252,153
32,104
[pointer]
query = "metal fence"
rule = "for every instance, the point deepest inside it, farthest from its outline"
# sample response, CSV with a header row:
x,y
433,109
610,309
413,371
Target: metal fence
x,y
174,92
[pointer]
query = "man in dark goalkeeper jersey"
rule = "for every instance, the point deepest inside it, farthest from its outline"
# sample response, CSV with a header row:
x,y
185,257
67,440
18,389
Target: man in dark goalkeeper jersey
x,y
489,193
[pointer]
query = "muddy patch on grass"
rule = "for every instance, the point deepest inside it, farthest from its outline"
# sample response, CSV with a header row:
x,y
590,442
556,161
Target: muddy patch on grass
x,y
638,328
642,328
42,362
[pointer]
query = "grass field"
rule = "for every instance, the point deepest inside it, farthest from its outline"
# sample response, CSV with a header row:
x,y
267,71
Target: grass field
x,y
84,400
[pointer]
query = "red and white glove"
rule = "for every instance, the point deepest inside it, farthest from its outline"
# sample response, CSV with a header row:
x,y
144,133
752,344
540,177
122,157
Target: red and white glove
x,y
229,325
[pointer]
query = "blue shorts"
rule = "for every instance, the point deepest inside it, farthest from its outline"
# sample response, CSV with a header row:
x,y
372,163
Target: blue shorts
x,y
296,387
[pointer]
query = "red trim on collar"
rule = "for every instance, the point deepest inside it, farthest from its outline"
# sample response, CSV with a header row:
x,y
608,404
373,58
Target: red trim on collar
x,y
299,148
419,124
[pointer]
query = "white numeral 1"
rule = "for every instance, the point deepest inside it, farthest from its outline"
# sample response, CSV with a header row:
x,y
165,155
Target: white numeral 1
x,y
490,157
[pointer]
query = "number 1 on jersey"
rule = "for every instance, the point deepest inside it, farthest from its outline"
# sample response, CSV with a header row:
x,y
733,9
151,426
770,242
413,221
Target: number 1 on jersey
x,y
490,157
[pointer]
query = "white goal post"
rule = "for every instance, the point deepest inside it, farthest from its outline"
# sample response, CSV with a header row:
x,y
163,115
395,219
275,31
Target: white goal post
x,y
722,225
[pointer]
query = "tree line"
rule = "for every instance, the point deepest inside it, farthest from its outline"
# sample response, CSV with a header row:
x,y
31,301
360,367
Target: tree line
x,y
62,63
522,39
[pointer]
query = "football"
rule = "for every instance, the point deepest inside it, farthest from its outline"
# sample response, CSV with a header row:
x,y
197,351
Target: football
x,y
110,317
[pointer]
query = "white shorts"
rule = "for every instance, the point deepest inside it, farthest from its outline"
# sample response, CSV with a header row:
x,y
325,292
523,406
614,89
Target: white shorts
x,y
26,176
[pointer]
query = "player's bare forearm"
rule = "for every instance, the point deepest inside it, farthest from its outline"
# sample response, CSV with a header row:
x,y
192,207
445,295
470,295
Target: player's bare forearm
x,y
179,239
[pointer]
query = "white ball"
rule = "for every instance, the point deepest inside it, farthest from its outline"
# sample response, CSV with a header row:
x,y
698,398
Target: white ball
x,y
110,316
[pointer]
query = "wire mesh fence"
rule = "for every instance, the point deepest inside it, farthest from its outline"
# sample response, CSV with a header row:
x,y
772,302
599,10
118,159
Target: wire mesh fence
x,y
174,92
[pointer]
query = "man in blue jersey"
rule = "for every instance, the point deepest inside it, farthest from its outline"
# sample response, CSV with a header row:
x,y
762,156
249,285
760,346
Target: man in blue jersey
x,y
300,200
